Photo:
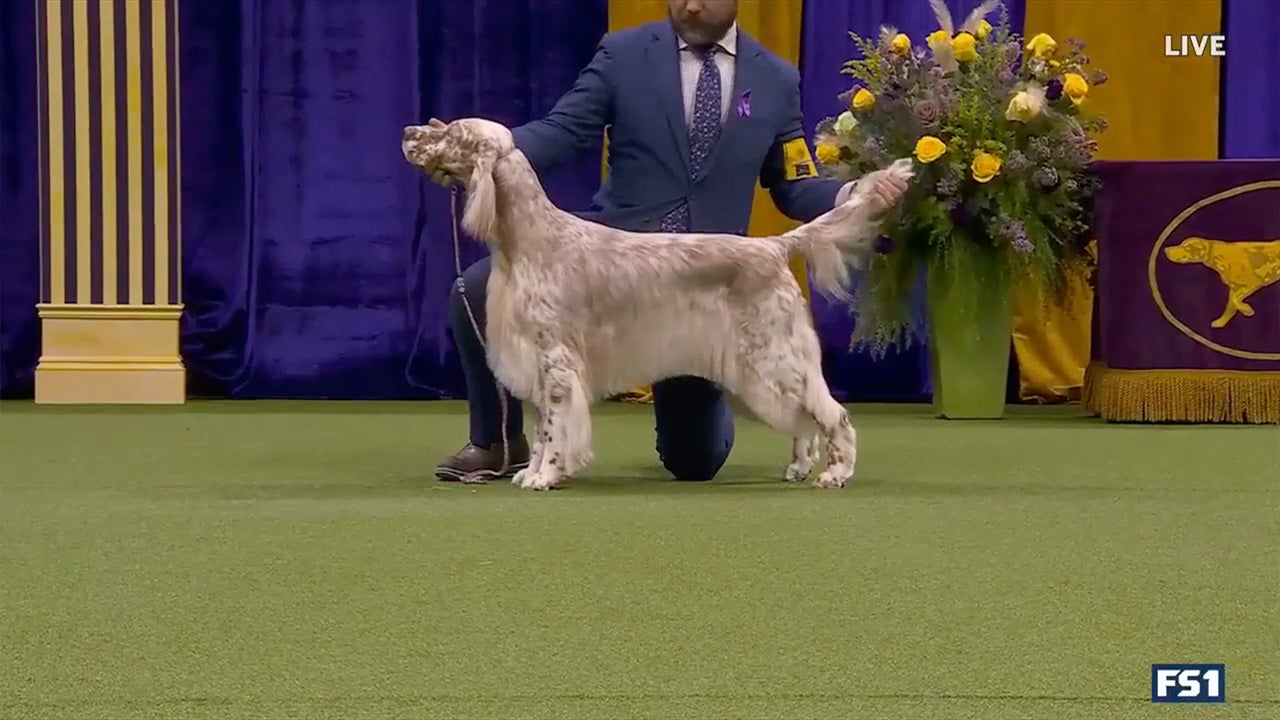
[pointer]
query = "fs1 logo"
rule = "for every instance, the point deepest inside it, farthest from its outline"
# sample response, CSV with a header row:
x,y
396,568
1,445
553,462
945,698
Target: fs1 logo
x,y
1188,683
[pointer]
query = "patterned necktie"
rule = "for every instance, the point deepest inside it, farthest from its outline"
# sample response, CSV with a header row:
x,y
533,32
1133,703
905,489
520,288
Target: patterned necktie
x,y
703,132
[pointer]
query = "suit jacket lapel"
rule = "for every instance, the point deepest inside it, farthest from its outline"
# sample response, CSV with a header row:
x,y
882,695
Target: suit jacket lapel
x,y
665,61
745,72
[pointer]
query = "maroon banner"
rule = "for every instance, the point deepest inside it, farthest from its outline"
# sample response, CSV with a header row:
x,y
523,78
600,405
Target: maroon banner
x,y
1188,266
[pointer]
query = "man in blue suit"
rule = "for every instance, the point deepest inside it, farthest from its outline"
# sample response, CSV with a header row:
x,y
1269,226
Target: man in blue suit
x,y
696,112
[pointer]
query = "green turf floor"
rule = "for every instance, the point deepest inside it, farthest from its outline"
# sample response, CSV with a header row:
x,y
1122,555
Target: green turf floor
x,y
271,560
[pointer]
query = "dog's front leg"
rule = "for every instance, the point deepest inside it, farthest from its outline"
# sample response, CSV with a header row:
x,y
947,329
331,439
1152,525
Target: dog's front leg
x,y
535,450
546,472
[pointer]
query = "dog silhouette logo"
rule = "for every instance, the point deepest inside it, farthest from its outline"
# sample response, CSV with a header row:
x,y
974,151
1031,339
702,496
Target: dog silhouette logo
x,y
1244,267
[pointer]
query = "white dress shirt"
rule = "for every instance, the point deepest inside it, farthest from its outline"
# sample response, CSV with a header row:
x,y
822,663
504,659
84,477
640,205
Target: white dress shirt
x,y
726,57
691,68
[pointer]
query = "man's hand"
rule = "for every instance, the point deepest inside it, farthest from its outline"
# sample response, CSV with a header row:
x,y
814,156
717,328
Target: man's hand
x,y
441,178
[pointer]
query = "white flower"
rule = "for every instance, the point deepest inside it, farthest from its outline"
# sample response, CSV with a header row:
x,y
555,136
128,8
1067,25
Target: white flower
x,y
845,124
1026,104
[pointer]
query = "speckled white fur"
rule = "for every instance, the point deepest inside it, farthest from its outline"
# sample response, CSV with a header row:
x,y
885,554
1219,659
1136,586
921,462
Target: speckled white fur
x,y
578,312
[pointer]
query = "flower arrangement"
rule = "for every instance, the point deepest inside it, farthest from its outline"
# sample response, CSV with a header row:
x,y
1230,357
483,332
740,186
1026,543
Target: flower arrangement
x,y
1001,140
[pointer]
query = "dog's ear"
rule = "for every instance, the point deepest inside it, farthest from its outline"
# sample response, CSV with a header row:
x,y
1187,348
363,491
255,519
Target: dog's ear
x,y
480,217
436,124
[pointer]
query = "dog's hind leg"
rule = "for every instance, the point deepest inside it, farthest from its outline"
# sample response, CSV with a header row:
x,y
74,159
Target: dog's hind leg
x,y
842,439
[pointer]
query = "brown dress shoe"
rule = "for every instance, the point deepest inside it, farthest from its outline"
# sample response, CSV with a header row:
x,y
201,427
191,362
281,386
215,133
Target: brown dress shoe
x,y
477,463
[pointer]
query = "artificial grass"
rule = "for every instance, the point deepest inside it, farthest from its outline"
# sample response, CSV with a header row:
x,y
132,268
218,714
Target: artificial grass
x,y
270,560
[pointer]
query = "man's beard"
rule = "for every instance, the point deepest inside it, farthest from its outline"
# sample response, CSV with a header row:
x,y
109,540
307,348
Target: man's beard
x,y
699,33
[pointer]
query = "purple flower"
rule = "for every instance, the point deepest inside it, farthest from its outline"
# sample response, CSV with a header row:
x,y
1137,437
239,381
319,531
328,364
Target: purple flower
x,y
1040,149
883,244
1014,233
1053,90
1098,78
1006,77
1017,162
927,113
960,214
871,147
947,185
1046,177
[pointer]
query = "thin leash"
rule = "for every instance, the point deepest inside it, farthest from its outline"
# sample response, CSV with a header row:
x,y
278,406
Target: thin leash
x,y
476,477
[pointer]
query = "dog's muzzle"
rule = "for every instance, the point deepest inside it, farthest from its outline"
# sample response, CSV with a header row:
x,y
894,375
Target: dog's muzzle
x,y
411,145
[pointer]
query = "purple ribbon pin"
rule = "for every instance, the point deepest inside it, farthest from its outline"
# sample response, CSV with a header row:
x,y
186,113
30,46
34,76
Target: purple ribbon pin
x,y
744,105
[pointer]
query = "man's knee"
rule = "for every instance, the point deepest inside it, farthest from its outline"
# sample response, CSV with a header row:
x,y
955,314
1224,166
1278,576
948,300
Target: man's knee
x,y
694,427
468,292
695,464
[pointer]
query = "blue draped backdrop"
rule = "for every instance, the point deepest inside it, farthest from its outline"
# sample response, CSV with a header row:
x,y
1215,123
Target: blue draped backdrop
x,y
19,201
902,375
1250,124
317,264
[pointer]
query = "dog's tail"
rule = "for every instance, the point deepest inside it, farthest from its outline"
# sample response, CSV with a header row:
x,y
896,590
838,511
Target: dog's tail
x,y
839,238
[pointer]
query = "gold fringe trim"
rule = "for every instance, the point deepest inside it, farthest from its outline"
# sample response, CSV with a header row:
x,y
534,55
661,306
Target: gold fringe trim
x,y
1193,396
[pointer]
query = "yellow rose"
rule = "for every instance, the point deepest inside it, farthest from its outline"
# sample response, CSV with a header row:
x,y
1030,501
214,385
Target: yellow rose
x,y
985,166
1023,106
828,152
900,44
1075,87
863,99
929,148
984,29
964,47
1042,45
939,37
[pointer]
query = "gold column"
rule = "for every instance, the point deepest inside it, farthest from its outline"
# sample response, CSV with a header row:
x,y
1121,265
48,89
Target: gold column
x,y
111,294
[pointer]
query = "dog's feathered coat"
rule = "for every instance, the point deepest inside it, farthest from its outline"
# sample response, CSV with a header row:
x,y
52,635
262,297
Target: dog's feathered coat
x,y
578,311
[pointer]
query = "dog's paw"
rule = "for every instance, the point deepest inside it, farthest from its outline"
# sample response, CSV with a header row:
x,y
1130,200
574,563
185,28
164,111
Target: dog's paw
x,y
797,472
519,477
537,480
829,480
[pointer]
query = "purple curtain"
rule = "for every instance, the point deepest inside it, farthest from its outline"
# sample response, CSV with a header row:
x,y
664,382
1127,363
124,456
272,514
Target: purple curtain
x,y
1250,122
825,47
19,200
317,263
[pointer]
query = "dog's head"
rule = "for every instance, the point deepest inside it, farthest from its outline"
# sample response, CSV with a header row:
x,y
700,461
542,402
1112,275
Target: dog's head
x,y
467,149
1191,250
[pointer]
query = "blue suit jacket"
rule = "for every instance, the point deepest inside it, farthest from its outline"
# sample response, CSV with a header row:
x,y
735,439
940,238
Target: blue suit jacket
x,y
632,87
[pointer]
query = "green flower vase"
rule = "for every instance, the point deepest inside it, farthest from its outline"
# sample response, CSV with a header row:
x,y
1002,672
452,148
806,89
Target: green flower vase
x,y
970,325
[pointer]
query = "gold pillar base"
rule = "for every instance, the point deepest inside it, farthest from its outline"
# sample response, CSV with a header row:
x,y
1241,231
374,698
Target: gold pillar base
x,y
110,354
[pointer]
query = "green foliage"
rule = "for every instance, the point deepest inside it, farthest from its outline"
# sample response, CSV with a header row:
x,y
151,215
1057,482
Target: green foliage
x,y
1026,225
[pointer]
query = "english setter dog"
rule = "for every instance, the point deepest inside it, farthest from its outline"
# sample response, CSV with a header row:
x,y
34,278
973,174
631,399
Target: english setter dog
x,y
578,312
